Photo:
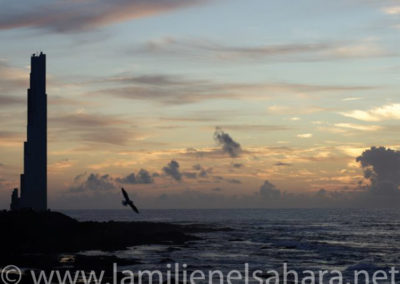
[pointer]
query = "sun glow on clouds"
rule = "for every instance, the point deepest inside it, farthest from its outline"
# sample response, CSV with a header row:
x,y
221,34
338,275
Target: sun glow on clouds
x,y
352,151
304,135
61,165
386,112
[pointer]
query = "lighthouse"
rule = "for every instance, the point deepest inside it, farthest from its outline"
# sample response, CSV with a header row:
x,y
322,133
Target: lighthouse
x,y
33,181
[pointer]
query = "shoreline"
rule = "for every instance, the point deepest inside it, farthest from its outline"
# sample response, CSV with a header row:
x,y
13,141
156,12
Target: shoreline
x,y
47,240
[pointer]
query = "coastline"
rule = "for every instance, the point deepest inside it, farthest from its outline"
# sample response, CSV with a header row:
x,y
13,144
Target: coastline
x,y
48,240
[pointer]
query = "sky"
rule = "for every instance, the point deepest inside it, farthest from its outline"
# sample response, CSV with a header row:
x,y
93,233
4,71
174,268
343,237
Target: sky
x,y
207,103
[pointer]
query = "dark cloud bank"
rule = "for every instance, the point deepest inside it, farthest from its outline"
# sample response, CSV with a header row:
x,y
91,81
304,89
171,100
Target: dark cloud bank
x,y
142,177
380,165
105,182
382,168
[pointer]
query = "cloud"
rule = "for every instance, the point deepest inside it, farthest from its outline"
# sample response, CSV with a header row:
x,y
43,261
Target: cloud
x,y
76,16
219,179
172,170
12,80
255,127
190,175
358,127
233,181
351,99
382,168
60,165
10,100
304,135
393,10
386,112
178,89
11,138
365,49
79,177
10,135
202,172
142,177
237,165
166,89
229,146
175,45
155,79
94,182
266,196
197,167
105,182
289,110
86,120
282,164
93,128
216,189
291,51
269,191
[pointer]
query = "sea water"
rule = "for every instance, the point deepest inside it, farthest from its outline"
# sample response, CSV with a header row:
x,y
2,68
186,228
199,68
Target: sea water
x,y
304,239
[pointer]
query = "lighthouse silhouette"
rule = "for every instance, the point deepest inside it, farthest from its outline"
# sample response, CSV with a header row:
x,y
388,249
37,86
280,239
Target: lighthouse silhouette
x,y
33,182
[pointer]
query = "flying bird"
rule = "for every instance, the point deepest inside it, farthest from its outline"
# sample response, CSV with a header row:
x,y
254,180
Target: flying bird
x,y
128,201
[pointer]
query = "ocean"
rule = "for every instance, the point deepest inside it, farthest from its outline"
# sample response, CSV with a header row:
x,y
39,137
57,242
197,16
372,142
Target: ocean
x,y
306,239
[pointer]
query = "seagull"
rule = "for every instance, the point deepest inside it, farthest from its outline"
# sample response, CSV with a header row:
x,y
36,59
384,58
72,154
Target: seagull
x,y
127,201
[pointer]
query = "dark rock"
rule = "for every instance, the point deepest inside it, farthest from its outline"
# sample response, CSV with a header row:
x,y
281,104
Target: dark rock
x,y
52,232
28,234
43,240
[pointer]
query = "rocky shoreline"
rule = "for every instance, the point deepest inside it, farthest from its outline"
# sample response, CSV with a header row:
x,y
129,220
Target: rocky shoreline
x,y
42,239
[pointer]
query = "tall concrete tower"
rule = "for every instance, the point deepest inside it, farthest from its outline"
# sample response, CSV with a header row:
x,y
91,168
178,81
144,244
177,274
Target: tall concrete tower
x,y
34,178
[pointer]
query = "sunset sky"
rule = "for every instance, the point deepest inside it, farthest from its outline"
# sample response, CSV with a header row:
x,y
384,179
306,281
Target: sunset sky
x,y
173,87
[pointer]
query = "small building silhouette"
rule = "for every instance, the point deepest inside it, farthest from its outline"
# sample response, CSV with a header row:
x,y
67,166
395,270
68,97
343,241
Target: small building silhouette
x,y
33,183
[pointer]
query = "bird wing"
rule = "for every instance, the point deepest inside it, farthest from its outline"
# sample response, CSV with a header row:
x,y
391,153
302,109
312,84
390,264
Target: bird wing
x,y
126,196
134,208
